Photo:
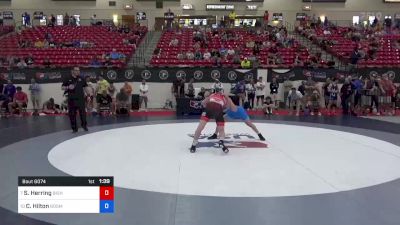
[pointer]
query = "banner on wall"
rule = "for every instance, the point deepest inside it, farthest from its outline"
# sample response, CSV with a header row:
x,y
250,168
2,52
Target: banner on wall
x,y
8,15
320,75
162,75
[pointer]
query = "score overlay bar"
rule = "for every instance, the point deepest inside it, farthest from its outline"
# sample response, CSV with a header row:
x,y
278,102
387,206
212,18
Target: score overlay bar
x,y
65,195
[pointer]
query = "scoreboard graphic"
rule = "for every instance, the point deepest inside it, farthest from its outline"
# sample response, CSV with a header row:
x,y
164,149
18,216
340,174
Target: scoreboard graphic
x,y
65,194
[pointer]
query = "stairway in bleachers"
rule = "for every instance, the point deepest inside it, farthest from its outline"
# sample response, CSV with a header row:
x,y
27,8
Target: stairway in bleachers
x,y
143,54
313,48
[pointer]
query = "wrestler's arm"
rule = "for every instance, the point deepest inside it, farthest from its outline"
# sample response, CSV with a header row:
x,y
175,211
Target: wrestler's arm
x,y
230,105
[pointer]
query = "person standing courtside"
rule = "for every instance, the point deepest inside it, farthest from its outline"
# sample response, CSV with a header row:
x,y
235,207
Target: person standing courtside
x,y
74,86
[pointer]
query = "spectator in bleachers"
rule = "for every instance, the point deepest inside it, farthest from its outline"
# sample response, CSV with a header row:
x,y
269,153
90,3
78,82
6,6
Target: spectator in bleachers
x,y
236,59
95,62
256,49
198,55
189,55
230,51
297,60
174,42
20,101
181,55
29,60
21,64
245,64
278,59
223,51
216,57
206,55
114,55
35,90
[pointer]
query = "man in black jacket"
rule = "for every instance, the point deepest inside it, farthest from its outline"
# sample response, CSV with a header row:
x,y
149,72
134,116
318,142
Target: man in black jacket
x,y
74,86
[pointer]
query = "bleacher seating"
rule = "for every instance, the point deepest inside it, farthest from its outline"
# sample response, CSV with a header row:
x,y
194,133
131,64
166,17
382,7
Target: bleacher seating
x,y
104,41
168,55
6,29
342,46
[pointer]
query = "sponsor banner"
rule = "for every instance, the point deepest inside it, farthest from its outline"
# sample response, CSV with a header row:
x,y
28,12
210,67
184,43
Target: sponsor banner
x,y
8,15
167,75
319,75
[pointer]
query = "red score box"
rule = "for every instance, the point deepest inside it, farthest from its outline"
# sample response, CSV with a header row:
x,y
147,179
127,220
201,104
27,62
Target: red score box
x,y
106,193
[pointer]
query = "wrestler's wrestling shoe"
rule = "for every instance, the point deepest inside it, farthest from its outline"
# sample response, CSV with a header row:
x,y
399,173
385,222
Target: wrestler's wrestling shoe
x,y
261,137
224,148
212,137
193,149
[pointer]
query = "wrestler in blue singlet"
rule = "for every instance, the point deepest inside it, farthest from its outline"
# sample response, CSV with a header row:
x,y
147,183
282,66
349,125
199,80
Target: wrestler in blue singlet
x,y
240,114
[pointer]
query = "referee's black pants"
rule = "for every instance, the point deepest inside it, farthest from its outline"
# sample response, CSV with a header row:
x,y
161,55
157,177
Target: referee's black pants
x,y
74,107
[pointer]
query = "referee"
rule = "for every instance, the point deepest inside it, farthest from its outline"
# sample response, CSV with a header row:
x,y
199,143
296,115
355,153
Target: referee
x,y
74,87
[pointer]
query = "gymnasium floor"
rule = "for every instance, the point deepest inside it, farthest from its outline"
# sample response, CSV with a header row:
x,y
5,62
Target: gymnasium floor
x,y
309,171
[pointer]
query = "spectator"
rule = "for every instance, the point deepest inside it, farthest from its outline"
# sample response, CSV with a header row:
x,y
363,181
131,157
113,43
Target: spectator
x,y
326,91
260,86
181,55
128,90
206,55
245,64
93,20
122,101
274,88
89,91
190,90
294,99
21,64
251,93
189,55
302,87
287,86
314,105
231,51
268,106
355,56
178,88
197,55
20,101
143,90
174,42
358,85
114,55
29,60
297,60
104,102
9,90
333,89
240,90
217,85
223,51
345,93
102,85
256,49
111,91
95,62
236,59
35,90
49,107
201,93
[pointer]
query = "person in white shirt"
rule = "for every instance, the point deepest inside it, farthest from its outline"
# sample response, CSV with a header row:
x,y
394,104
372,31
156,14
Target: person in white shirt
x,y
144,90
217,85
251,92
294,99
260,85
206,55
